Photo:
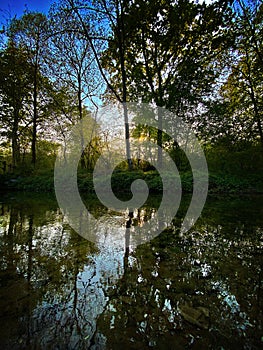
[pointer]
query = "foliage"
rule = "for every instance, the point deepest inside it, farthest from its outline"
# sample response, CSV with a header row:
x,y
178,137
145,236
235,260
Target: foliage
x,y
236,111
31,34
237,159
201,61
15,89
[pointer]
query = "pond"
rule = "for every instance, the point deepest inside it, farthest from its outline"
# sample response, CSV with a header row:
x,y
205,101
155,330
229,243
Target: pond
x,y
199,290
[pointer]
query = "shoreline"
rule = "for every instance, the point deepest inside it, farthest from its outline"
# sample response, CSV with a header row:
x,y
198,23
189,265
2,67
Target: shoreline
x,y
224,184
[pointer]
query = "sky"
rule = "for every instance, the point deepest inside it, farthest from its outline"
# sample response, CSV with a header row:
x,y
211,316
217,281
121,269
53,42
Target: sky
x,y
10,8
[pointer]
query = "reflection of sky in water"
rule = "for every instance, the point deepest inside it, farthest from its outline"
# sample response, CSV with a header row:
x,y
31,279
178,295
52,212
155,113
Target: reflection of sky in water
x,y
79,293
105,267
231,307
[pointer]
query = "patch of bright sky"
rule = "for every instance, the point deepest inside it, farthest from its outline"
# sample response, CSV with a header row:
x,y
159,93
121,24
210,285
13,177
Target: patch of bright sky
x,y
10,8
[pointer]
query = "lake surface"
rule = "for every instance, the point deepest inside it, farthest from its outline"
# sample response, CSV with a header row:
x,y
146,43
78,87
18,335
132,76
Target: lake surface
x,y
200,290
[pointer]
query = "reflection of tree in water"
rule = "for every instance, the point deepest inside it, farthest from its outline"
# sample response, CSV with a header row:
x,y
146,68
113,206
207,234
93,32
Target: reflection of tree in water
x,y
58,280
40,266
199,290
195,290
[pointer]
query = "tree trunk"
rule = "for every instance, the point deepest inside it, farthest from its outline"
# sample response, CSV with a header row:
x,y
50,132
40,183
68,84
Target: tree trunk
x,y
127,137
121,39
35,117
14,139
160,139
82,159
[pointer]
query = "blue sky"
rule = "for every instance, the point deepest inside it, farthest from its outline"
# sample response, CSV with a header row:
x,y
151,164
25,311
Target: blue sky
x,y
16,7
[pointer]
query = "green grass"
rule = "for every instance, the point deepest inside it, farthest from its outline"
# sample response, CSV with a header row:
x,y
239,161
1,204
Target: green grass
x,y
43,181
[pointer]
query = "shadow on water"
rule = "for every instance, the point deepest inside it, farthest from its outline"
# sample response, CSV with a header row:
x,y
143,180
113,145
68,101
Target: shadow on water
x,y
199,290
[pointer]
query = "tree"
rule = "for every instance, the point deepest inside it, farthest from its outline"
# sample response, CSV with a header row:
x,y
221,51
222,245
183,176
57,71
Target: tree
x,y
15,87
112,12
30,32
73,64
171,50
243,88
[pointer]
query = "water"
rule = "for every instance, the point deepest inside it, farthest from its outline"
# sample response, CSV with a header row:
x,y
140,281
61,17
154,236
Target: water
x,y
202,290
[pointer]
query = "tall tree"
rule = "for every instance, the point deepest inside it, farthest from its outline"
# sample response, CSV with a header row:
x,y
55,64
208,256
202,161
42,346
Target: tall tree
x,y
73,63
111,14
15,90
171,52
30,32
243,89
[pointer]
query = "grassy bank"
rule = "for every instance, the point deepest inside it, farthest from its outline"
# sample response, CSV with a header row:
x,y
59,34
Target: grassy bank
x,y
122,180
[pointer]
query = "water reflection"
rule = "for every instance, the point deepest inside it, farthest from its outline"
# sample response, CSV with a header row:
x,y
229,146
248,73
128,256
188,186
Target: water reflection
x,y
201,290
